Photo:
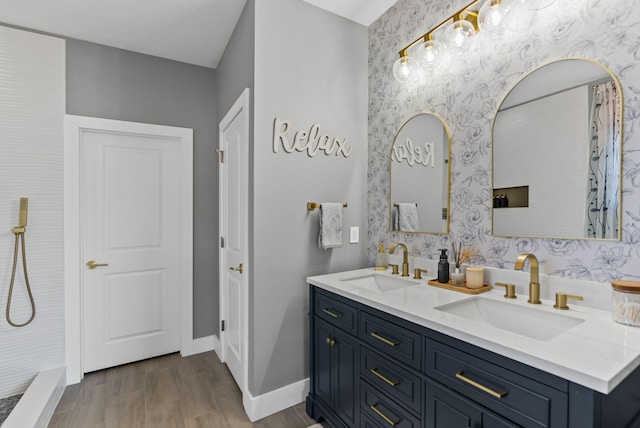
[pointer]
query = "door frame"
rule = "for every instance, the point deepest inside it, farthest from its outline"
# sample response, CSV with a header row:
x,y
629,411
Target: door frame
x,y
74,126
241,104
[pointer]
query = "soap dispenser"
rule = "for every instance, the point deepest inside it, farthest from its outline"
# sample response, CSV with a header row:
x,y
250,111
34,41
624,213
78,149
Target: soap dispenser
x,y
443,267
381,258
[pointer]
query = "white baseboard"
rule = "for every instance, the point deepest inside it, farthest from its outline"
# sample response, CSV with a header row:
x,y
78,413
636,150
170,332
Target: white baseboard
x,y
272,402
36,406
199,345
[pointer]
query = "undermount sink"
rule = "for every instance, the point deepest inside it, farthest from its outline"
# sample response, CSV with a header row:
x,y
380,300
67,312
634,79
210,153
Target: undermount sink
x,y
529,322
379,282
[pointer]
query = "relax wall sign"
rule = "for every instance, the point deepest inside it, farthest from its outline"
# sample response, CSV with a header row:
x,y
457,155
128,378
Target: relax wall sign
x,y
414,154
311,141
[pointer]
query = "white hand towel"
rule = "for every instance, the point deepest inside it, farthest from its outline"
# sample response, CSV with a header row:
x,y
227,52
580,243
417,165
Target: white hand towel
x,y
330,225
408,217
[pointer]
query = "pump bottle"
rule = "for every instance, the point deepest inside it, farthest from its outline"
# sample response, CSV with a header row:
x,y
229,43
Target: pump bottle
x,y
443,267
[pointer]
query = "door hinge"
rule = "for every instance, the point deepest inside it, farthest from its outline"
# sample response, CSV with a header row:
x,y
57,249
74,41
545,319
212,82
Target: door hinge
x,y
222,325
222,242
221,153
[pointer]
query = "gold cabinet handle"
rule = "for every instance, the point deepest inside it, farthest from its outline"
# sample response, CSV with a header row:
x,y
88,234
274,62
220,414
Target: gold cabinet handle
x,y
238,268
384,339
481,387
384,378
92,264
390,421
331,341
331,313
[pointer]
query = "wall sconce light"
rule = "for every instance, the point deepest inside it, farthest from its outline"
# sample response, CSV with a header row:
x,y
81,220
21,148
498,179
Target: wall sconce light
x,y
462,26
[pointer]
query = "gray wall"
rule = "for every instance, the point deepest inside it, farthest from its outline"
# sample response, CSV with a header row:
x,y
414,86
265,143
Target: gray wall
x,y
116,84
235,72
310,67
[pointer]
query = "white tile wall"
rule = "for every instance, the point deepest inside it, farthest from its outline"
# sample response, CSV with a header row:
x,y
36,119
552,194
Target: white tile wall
x,y
32,106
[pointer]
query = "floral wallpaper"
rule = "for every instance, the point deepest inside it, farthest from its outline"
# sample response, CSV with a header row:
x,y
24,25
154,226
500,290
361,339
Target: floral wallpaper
x,y
467,95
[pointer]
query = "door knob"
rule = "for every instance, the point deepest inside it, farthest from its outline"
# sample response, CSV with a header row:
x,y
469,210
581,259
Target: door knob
x,y
92,264
238,268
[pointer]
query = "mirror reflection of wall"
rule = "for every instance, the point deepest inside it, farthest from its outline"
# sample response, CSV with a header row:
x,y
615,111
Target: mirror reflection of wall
x,y
419,194
557,137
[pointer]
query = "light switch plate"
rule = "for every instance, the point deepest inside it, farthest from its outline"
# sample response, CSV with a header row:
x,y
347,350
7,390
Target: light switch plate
x,y
354,235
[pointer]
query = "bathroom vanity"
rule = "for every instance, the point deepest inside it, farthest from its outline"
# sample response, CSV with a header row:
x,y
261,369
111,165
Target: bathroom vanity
x,y
388,351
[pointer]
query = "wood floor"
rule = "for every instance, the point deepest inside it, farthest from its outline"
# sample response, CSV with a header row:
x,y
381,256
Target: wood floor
x,y
168,391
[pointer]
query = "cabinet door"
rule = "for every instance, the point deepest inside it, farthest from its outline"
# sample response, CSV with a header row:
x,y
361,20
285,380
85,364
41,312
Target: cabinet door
x,y
322,373
345,376
447,410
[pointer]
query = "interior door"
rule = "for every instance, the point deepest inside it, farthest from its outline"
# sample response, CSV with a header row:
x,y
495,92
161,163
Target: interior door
x,y
234,224
129,242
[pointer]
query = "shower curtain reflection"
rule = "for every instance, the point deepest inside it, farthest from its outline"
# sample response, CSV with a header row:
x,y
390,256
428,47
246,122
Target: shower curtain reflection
x,y
604,166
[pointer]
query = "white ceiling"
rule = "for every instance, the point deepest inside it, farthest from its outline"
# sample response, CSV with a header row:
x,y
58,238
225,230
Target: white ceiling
x,y
191,31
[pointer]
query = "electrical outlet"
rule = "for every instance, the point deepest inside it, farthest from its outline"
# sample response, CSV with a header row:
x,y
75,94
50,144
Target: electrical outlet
x,y
354,236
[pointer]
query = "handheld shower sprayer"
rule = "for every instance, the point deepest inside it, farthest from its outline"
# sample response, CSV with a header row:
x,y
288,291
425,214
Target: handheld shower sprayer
x,y
19,233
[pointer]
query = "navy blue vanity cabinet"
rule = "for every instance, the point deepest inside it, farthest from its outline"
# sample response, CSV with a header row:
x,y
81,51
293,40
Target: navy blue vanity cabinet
x,y
372,369
334,362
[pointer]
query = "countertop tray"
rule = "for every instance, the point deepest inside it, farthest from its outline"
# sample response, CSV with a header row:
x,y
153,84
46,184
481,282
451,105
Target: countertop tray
x,y
458,288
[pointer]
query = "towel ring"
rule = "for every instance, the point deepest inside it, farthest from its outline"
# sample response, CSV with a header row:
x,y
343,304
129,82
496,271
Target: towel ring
x,y
313,205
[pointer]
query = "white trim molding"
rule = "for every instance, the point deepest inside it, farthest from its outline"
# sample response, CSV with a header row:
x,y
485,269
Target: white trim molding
x,y
74,126
272,402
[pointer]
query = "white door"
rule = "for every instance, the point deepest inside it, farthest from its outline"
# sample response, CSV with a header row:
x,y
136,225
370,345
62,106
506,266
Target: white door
x,y
130,223
234,224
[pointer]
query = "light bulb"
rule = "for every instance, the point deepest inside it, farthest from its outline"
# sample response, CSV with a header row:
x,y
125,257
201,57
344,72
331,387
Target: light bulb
x,y
428,54
492,14
404,68
458,33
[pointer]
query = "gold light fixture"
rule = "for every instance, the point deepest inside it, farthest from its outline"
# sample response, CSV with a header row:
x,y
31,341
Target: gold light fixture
x,y
462,26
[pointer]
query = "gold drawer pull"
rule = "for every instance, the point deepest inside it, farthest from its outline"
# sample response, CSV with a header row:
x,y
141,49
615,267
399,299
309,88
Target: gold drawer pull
x,y
471,382
383,416
384,378
331,341
331,313
384,339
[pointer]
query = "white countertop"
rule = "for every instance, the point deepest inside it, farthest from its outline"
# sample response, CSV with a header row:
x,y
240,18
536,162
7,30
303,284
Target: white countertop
x,y
597,353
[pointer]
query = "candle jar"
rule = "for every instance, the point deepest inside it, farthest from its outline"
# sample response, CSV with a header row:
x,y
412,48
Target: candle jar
x,y
475,277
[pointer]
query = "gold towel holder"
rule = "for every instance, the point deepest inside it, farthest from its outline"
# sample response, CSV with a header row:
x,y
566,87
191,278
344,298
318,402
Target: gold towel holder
x,y
313,205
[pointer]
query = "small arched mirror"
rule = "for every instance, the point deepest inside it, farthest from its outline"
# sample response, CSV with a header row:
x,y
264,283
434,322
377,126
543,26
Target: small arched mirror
x,y
557,153
419,185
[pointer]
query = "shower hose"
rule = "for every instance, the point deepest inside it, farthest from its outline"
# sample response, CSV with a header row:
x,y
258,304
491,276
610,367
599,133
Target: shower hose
x,y
19,235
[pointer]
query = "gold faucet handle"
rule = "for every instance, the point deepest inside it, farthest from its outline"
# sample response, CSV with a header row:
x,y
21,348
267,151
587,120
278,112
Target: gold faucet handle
x,y
561,300
510,290
394,269
417,273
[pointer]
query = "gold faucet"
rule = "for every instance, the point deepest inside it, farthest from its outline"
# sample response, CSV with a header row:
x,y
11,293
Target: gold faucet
x,y
405,257
534,281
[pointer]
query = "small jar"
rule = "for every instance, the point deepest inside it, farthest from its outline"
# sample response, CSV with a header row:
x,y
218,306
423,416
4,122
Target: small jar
x,y
457,277
626,302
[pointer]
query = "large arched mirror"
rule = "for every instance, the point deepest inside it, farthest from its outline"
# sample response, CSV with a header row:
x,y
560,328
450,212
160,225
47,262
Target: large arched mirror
x,y
419,187
557,153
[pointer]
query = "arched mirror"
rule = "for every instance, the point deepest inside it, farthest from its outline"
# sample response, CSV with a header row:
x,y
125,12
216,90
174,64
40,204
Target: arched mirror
x,y
419,187
557,153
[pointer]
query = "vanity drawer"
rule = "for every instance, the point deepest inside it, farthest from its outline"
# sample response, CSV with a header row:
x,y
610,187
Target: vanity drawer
x,y
383,411
398,383
336,311
395,341
522,400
